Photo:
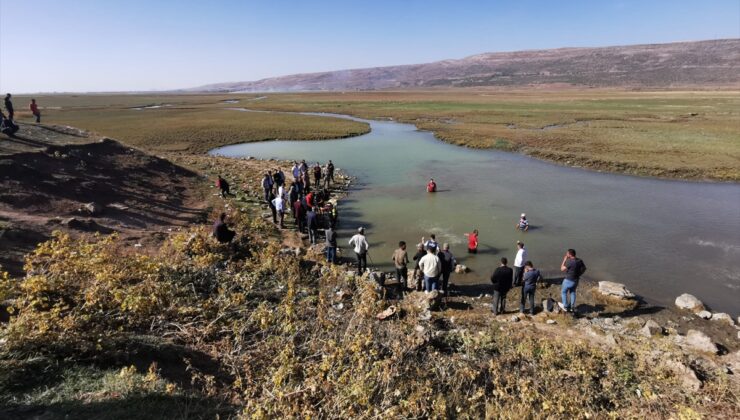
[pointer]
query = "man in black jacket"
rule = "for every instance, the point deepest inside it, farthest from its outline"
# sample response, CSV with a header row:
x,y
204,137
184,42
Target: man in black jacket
x,y
501,279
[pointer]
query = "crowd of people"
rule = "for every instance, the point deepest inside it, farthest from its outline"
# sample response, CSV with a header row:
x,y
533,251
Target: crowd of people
x,y
307,199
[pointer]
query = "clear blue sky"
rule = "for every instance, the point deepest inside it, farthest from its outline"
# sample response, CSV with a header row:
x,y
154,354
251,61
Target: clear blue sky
x,y
105,45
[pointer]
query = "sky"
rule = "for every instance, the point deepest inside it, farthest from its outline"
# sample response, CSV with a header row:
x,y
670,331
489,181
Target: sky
x,y
132,45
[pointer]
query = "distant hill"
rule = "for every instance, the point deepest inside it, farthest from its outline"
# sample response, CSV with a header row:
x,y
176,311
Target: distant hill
x,y
714,63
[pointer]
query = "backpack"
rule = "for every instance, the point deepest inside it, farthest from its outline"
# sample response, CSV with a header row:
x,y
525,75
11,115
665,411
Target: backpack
x,y
581,267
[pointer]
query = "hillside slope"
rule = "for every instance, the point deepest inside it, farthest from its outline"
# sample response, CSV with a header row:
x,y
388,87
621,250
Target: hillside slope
x,y
683,64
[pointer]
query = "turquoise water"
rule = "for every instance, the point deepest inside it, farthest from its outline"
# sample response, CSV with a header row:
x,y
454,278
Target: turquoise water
x,y
660,237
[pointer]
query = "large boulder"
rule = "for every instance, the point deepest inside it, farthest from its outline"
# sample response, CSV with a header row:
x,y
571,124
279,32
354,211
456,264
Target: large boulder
x,y
618,290
698,340
424,301
723,317
92,209
461,269
689,302
685,375
651,328
704,314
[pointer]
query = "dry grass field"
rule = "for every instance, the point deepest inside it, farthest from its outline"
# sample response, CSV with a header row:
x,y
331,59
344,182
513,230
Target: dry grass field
x,y
672,134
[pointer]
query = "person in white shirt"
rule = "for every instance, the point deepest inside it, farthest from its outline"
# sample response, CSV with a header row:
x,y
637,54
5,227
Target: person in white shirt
x,y
432,268
279,204
519,260
360,247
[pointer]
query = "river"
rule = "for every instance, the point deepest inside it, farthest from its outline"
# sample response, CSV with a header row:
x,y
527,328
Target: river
x,y
659,237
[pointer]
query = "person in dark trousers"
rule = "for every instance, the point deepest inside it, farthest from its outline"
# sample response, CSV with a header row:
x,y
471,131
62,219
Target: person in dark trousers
x,y
331,245
360,246
312,220
333,215
400,260
501,279
7,127
279,204
9,107
35,110
267,186
300,216
448,265
273,209
519,260
573,268
417,271
221,230
531,277
224,187
329,173
278,178
292,197
317,176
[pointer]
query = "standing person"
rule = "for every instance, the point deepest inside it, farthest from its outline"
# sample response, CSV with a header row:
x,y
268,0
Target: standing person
x,y
35,110
401,259
448,264
312,220
221,230
300,216
573,268
531,277
273,209
523,223
224,187
292,197
331,245
432,242
431,186
296,171
9,107
279,204
267,185
317,176
417,271
333,215
431,267
360,247
501,279
304,167
279,178
329,173
519,260
472,241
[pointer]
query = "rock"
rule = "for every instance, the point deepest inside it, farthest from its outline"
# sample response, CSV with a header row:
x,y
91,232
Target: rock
x,y
610,340
721,316
733,361
514,318
92,209
689,302
378,277
425,316
651,328
424,301
387,313
685,374
610,288
551,321
704,314
461,269
420,329
86,225
550,306
697,340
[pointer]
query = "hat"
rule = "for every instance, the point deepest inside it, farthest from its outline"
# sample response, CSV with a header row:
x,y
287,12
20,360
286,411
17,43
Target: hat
x,y
360,229
524,215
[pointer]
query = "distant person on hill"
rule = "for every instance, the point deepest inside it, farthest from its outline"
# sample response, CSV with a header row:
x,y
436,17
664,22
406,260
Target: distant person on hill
x,y
221,230
523,223
296,170
9,107
317,176
279,204
448,265
273,209
360,246
304,167
312,221
531,277
573,268
35,110
224,187
400,260
292,197
431,186
267,185
279,180
7,126
417,271
329,173
331,245
501,279
519,260
472,241
300,216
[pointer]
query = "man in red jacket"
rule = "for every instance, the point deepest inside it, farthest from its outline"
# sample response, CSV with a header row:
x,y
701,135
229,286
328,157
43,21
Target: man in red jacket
x,y
431,186
35,110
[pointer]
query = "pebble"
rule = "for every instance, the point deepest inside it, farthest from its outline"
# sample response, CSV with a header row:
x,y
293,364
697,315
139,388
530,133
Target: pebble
x,y
551,321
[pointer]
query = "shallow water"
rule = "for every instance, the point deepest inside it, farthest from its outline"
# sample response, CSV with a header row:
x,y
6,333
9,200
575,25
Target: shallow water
x,y
660,237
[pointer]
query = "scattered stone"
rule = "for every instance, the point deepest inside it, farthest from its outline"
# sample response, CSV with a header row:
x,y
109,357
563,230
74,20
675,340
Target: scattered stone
x,y
704,315
550,306
684,373
610,288
86,225
420,329
636,322
514,318
378,277
387,313
733,361
689,302
551,321
697,340
651,328
610,340
425,316
92,209
424,301
721,316
461,269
